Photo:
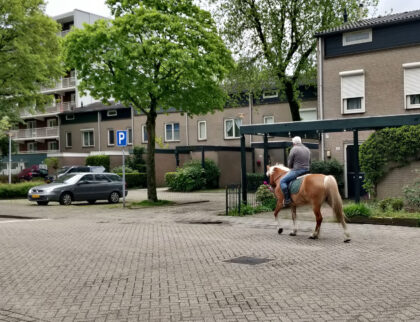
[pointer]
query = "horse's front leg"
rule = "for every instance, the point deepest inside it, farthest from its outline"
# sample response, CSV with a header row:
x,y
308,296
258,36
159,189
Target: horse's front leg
x,y
276,212
294,231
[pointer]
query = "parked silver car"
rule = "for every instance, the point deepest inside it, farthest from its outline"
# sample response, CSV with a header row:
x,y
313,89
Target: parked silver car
x,y
79,187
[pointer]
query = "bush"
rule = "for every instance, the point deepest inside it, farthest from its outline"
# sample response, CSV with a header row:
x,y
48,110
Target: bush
x,y
135,180
17,190
5,178
254,180
333,168
357,210
99,160
52,163
170,178
188,179
211,172
391,204
412,196
120,170
266,197
136,161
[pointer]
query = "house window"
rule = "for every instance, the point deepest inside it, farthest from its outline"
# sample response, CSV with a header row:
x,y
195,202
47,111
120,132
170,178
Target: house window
x,y
144,134
270,94
129,136
172,132
202,130
357,37
111,113
31,147
111,137
268,119
352,91
87,138
52,146
232,128
69,143
412,85
69,117
52,122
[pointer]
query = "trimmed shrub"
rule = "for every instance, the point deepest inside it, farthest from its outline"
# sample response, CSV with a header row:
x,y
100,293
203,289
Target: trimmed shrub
x,y
412,196
188,179
5,178
357,210
391,204
136,161
99,160
170,178
127,170
135,180
265,197
332,167
17,190
211,172
254,180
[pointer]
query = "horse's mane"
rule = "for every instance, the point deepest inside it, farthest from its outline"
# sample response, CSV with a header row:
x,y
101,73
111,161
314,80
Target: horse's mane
x,y
276,166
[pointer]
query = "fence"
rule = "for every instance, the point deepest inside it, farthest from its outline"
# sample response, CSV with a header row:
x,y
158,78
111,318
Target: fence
x,y
234,198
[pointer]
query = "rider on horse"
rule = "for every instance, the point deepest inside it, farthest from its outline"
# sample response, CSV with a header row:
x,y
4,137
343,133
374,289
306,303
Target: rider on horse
x,y
298,162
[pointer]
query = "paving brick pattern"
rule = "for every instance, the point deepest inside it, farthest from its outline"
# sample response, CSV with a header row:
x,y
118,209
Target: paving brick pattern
x,y
101,263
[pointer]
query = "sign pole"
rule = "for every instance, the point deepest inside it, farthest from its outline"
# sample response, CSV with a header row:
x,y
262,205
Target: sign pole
x,y
123,169
10,158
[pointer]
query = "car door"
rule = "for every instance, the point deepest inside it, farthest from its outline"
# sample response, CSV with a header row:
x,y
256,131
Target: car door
x,y
85,188
102,187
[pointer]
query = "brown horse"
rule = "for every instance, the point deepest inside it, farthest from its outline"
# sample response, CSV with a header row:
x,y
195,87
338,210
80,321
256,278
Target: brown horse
x,y
315,190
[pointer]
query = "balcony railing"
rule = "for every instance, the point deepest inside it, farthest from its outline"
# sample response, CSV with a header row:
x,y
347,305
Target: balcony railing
x,y
64,83
50,109
38,151
35,133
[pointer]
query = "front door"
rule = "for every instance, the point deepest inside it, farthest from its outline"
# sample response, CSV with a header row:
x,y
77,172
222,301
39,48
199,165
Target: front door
x,y
350,174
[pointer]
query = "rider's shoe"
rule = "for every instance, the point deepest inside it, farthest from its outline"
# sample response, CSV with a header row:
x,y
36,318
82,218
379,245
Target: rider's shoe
x,y
287,203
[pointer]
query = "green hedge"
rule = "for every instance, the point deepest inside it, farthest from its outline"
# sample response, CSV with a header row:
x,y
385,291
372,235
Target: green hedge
x,y
99,160
17,190
254,180
332,167
170,178
357,210
5,178
135,180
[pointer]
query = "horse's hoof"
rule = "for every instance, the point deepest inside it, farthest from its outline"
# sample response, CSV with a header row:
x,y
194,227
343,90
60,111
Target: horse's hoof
x,y
347,240
292,234
280,230
313,237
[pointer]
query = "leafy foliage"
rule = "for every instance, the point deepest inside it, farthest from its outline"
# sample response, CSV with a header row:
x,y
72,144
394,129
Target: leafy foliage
x,y
52,163
155,53
188,179
135,179
120,170
265,196
211,172
99,160
386,149
332,167
412,196
391,204
136,161
17,190
357,210
29,55
254,180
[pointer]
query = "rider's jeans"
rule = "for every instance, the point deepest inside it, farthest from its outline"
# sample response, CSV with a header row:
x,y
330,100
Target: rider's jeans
x,y
289,177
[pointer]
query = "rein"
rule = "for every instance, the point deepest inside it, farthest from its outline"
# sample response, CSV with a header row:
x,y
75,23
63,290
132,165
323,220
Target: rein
x,y
278,177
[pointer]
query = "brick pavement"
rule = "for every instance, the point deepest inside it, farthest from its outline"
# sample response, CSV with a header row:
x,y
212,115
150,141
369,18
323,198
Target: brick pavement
x,y
102,263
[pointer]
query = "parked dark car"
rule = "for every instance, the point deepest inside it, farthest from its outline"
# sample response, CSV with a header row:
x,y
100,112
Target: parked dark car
x,y
32,172
79,187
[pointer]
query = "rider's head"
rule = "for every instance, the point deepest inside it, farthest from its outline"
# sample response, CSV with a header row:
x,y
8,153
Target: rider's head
x,y
297,140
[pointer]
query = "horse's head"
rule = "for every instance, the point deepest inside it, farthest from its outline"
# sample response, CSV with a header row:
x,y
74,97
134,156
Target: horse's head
x,y
275,172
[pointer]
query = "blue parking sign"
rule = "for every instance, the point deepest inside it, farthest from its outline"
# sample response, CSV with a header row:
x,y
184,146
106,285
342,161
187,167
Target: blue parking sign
x,y
121,138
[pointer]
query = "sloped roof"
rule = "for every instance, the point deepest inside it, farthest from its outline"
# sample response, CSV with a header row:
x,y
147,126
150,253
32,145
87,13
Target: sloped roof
x,y
373,22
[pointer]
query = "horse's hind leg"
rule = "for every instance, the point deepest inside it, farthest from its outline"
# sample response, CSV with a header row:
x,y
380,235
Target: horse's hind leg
x,y
276,211
294,231
318,215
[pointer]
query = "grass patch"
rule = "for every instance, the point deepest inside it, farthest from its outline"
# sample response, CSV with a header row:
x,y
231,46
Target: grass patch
x,y
148,203
396,214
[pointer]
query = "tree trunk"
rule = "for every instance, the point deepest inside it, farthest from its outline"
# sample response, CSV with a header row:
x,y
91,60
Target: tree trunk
x,y
292,98
150,159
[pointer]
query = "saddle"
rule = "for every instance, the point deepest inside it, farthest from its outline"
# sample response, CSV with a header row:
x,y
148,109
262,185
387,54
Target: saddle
x,y
294,186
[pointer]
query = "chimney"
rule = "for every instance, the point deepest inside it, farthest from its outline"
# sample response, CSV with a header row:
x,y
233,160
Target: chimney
x,y
345,16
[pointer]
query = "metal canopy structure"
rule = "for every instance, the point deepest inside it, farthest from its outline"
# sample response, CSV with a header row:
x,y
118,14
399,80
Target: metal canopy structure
x,y
313,129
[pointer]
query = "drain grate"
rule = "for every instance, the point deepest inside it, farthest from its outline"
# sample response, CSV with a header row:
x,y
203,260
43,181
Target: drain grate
x,y
248,260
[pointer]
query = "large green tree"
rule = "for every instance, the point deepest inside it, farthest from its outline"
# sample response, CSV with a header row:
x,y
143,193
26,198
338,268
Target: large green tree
x,y
155,54
279,34
29,55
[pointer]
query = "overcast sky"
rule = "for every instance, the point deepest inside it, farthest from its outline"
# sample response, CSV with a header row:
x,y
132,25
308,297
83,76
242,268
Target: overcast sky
x,y
56,7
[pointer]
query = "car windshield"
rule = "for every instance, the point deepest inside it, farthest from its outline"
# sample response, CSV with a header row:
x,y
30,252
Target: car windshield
x,y
62,170
68,178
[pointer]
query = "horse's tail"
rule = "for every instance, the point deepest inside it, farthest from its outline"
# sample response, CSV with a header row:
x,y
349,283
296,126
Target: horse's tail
x,y
334,199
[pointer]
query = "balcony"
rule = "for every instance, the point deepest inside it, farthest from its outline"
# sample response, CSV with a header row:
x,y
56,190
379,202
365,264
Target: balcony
x,y
38,151
49,110
63,84
39,133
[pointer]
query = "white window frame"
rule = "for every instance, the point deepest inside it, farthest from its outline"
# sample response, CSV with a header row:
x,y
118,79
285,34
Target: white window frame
x,y
359,41
129,142
344,109
265,118
83,136
50,120
205,131
225,129
67,139
270,94
69,117
49,145
173,132
407,92
143,132
108,137
111,113
33,145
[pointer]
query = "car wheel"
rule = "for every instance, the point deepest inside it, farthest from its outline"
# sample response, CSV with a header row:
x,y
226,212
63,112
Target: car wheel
x,y
91,201
65,199
114,197
42,203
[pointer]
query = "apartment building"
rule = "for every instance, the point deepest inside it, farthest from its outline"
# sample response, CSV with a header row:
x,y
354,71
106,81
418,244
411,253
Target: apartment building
x,y
369,68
